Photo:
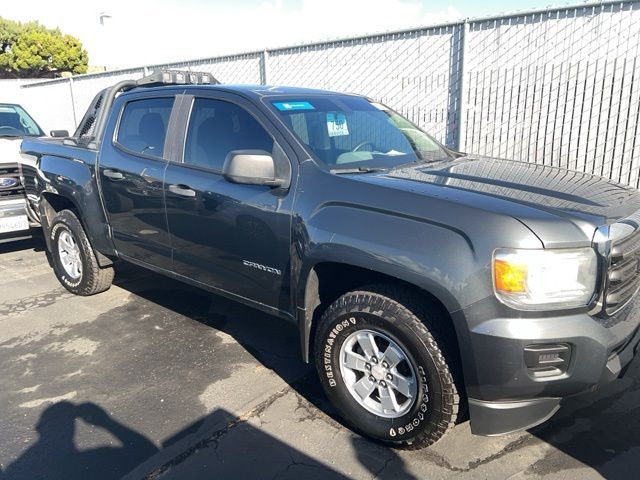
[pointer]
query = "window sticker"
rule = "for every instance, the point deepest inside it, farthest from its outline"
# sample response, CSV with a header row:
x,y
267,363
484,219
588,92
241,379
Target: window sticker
x,y
337,124
290,106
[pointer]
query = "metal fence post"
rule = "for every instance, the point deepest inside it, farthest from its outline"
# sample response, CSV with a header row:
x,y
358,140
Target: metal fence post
x,y
463,99
73,102
264,63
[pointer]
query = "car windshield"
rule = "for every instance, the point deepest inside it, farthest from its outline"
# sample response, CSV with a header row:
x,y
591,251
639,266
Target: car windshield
x,y
352,133
16,122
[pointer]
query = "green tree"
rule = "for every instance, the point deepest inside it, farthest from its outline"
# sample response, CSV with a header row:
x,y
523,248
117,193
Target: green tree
x,y
32,50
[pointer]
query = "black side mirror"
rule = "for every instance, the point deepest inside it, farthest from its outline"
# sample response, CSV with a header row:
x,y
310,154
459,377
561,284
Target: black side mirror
x,y
252,167
59,133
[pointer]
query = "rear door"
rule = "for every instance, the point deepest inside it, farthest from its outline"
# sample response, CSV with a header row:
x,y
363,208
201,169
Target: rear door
x,y
132,166
228,236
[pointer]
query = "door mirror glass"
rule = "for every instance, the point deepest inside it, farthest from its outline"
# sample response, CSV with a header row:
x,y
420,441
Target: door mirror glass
x,y
251,167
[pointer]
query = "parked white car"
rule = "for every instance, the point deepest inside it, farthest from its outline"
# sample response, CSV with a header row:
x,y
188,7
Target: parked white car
x,y
15,218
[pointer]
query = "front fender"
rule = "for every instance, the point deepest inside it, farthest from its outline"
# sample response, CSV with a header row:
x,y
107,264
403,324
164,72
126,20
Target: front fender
x,y
430,255
451,264
388,245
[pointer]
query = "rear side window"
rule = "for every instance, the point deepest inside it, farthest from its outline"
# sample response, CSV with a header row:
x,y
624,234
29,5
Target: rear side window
x,y
143,126
216,128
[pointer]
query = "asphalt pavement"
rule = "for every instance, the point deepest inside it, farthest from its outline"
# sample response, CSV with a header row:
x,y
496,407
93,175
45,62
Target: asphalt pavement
x,y
156,379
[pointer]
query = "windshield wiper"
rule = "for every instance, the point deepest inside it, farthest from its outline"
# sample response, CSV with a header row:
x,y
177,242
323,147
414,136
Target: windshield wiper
x,y
357,170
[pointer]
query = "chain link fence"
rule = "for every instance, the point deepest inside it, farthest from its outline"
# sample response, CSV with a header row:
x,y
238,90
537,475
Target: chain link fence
x,y
557,87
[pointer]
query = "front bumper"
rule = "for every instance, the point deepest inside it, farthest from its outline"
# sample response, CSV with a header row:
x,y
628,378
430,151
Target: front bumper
x,y
12,209
504,393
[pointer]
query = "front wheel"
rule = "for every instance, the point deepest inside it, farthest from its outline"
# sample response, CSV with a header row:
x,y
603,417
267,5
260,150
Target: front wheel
x,y
383,369
74,262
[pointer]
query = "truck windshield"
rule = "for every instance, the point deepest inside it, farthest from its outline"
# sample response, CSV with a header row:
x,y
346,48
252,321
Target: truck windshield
x,y
352,133
16,122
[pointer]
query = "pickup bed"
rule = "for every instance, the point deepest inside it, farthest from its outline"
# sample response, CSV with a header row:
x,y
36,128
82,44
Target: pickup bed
x,y
425,283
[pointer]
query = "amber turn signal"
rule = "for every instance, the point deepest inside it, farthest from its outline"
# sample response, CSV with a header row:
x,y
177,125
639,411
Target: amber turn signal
x,y
510,277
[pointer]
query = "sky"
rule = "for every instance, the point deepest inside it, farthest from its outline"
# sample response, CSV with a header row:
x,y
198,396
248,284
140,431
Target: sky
x,y
147,32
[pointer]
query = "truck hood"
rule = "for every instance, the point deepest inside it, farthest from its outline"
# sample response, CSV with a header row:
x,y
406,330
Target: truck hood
x,y
540,196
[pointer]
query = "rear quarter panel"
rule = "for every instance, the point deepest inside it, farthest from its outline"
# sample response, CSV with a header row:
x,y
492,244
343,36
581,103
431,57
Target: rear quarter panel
x,y
69,172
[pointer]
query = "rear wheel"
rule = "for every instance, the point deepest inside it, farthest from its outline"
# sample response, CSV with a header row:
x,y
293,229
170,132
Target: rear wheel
x,y
74,262
383,369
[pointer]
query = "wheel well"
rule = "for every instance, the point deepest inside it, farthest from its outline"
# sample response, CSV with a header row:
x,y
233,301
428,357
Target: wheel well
x,y
54,204
328,281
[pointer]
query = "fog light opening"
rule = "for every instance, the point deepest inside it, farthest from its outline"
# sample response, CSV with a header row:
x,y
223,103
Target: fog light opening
x,y
548,360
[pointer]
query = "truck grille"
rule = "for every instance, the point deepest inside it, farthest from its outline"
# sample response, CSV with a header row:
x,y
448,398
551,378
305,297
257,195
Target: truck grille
x,y
16,190
624,272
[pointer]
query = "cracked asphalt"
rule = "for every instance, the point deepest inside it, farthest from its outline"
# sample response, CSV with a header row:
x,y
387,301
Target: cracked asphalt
x,y
155,379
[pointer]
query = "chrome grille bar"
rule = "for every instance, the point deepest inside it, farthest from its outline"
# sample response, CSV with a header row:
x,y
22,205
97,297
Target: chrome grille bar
x,y
623,277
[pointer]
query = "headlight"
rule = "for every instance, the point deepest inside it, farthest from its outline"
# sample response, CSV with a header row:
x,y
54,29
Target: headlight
x,y
544,279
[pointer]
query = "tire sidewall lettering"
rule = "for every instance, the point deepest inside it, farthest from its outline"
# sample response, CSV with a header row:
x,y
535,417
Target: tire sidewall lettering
x,y
338,327
418,417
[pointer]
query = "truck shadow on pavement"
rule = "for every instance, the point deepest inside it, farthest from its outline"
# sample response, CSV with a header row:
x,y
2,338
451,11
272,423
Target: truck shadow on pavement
x,y
273,342
251,454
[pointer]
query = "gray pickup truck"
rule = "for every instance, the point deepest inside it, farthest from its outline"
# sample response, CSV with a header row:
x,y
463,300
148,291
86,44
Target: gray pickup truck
x,y
427,285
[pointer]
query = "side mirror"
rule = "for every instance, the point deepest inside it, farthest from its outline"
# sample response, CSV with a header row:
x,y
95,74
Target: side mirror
x,y
59,133
251,167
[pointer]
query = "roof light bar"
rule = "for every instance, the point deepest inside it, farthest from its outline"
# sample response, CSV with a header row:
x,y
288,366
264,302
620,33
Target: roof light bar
x,y
177,77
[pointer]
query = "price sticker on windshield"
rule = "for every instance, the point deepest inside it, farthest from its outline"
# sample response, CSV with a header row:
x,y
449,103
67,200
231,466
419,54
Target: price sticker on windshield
x,y
337,124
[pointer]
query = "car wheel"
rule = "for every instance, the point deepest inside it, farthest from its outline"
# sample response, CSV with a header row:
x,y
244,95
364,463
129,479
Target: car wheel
x,y
382,361
74,262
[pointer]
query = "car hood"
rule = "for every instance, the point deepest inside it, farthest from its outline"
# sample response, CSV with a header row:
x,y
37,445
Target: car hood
x,y
540,196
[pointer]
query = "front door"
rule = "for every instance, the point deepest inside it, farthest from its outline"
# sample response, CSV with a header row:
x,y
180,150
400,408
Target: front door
x,y
228,236
132,168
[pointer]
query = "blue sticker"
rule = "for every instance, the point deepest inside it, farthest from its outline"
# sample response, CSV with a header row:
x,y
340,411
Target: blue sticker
x,y
289,106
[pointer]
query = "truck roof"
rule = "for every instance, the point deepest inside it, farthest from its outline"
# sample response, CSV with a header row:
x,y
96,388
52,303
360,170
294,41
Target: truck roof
x,y
93,121
247,90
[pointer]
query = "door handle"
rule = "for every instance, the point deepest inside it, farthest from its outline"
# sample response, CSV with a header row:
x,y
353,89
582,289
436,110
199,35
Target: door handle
x,y
113,174
182,190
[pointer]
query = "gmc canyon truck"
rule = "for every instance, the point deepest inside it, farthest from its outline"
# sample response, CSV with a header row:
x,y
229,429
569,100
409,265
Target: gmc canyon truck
x,y
427,285
16,218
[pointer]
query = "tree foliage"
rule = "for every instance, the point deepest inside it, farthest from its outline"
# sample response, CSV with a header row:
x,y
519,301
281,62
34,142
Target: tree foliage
x,y
32,50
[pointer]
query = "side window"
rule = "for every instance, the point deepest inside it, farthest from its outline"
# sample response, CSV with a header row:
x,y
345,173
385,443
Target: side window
x,y
143,125
216,128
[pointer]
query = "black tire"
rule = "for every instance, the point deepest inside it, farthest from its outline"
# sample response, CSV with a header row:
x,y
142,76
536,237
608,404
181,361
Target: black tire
x,y
92,279
418,331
